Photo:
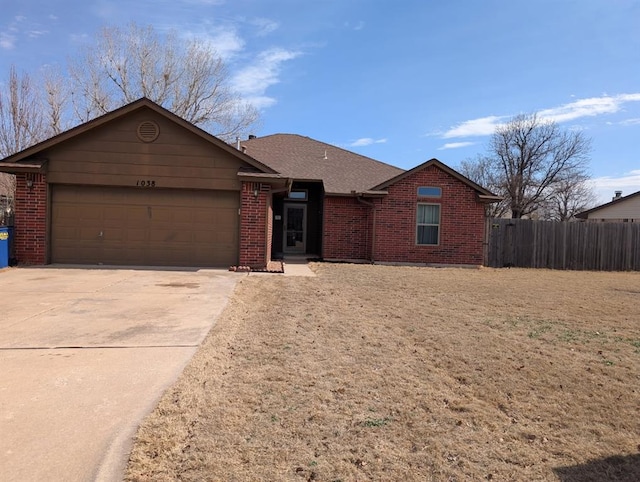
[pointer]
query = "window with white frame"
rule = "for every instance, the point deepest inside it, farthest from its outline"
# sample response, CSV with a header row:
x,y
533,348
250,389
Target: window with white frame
x,y
428,224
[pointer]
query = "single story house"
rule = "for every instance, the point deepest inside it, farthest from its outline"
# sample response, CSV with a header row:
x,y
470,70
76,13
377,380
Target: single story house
x,y
142,186
621,209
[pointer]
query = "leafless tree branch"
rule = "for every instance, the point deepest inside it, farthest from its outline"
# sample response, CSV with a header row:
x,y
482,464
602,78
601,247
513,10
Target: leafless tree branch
x,y
186,77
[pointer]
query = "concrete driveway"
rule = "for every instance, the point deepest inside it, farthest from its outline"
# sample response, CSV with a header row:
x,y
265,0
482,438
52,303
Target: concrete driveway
x,y
85,354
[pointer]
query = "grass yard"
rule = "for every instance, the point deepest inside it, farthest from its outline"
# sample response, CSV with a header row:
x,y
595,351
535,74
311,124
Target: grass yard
x,y
378,373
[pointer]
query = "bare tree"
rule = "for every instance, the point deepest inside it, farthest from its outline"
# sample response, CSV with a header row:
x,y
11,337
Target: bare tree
x,y
532,155
186,77
7,196
21,125
569,195
56,96
21,120
483,171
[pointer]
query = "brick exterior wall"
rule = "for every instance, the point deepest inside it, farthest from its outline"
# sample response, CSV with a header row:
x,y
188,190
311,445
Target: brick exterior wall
x,y
348,224
347,228
255,225
30,220
462,222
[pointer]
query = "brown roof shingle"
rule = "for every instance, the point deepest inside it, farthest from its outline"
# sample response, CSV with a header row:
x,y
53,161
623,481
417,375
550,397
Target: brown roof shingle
x,y
303,158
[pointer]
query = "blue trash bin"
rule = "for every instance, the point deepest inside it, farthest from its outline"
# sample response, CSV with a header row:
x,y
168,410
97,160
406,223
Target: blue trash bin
x,y
5,237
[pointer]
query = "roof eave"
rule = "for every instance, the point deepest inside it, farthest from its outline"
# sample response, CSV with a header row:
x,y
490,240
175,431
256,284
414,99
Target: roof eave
x,y
275,180
369,194
373,194
585,214
489,199
20,167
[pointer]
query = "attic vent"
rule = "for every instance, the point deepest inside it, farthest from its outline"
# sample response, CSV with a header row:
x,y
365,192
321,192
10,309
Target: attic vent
x,y
148,131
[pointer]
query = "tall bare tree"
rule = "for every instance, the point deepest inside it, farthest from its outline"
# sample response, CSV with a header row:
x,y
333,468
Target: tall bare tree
x,y
21,125
21,120
532,155
482,170
186,77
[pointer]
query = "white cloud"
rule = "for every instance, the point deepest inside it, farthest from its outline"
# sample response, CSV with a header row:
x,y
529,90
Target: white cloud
x,y
7,41
588,107
483,126
260,102
367,141
253,80
265,26
578,109
53,17
455,145
224,40
605,186
37,33
630,122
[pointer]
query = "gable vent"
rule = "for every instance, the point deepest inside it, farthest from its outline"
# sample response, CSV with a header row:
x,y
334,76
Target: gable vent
x,y
148,131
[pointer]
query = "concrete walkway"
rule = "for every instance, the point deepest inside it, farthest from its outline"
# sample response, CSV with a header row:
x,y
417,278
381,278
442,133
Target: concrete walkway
x,y
85,354
297,267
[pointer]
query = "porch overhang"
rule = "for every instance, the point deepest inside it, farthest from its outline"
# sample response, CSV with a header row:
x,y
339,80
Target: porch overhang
x,y
276,181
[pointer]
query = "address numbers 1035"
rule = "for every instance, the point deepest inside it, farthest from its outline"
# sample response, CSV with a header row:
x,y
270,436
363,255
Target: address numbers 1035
x,y
145,183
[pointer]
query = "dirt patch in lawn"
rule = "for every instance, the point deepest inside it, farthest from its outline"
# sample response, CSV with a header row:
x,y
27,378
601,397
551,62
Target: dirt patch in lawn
x,y
396,373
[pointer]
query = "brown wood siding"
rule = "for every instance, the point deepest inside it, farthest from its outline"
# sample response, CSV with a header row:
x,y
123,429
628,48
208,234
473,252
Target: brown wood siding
x,y
113,155
144,226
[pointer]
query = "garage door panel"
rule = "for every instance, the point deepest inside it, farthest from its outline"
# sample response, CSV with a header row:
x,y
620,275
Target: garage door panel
x,y
128,226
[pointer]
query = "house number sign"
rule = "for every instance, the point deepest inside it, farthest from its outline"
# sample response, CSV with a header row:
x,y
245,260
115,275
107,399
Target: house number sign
x,y
145,183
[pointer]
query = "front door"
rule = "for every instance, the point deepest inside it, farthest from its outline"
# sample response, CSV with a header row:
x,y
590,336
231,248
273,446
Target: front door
x,y
295,228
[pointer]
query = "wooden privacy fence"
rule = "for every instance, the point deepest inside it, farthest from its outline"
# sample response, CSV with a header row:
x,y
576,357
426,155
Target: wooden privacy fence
x,y
555,245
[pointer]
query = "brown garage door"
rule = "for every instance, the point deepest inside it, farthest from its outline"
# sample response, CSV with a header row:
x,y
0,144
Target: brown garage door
x,y
147,227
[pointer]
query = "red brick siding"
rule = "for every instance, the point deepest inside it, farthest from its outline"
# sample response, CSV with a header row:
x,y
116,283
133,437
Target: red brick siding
x,y
347,226
255,225
269,239
461,222
30,235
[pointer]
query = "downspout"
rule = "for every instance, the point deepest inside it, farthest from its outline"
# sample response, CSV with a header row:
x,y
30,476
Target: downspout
x,y
373,226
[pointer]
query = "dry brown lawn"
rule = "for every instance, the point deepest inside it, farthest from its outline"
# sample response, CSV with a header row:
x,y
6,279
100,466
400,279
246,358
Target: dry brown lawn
x,y
396,373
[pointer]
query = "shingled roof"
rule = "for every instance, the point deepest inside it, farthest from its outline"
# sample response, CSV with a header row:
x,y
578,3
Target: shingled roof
x,y
305,159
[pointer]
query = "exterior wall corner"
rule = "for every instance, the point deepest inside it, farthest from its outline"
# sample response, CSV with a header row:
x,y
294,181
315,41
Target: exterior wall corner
x,y
256,228
30,220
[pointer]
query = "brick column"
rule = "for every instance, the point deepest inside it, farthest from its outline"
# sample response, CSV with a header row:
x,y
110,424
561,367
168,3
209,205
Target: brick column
x,y
255,225
30,221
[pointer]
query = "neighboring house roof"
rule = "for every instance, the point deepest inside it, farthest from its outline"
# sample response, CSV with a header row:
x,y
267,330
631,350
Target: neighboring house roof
x,y
16,162
483,194
616,202
305,159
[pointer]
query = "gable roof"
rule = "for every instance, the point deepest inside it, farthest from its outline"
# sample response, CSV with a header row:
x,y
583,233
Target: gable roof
x,y
483,194
18,161
302,158
585,214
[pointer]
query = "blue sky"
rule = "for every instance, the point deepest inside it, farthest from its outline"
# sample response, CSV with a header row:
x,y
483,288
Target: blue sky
x,y
401,81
